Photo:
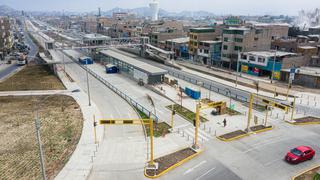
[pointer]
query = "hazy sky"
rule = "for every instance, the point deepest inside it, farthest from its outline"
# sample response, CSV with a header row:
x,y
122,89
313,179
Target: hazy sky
x,y
243,7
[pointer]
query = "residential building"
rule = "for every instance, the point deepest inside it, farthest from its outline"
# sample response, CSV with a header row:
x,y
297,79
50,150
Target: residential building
x,y
277,30
179,46
156,38
90,24
6,37
94,39
209,52
243,40
197,35
305,76
263,63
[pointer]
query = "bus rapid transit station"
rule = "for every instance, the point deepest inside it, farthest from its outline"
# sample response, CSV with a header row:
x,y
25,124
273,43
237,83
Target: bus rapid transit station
x,y
135,69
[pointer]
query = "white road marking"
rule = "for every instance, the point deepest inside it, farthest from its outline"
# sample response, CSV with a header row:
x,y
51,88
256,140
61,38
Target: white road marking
x,y
193,168
206,173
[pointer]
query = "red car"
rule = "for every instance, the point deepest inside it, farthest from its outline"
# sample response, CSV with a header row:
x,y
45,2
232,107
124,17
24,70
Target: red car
x,y
300,154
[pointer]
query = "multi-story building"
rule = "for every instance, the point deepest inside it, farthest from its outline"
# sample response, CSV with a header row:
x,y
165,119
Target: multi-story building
x,y
209,52
6,36
263,63
197,35
278,31
179,46
90,24
156,38
243,40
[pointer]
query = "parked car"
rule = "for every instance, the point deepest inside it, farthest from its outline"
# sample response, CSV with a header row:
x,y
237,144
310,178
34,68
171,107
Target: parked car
x,y
300,154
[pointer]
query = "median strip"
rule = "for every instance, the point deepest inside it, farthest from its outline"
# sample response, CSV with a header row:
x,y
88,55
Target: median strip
x,y
170,161
305,121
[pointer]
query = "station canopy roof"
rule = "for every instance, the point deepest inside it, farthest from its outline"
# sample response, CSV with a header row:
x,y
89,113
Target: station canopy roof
x,y
142,66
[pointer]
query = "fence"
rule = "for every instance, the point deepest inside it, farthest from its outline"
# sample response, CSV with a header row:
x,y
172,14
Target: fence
x,y
117,91
211,86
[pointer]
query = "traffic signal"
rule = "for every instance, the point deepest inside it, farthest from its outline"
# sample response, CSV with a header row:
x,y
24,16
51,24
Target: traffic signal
x,y
173,112
194,123
277,94
94,124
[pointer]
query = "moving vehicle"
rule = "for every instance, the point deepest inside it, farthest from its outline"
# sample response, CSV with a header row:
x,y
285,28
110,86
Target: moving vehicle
x,y
300,154
22,60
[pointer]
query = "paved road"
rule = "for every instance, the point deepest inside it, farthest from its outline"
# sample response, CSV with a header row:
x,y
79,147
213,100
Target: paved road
x,y
255,157
114,157
13,67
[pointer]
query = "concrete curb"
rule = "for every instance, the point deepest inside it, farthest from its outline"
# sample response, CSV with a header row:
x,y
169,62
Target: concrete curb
x,y
307,170
301,124
173,166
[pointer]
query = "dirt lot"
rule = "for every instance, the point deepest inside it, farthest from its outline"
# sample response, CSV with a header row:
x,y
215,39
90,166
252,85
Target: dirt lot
x,y
32,77
61,127
233,134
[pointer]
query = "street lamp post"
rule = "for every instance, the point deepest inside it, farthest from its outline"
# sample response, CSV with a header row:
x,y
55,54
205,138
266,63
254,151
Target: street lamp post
x,y
229,92
37,125
88,86
273,65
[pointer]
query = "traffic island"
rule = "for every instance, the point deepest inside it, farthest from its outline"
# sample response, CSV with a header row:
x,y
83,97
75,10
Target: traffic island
x,y
185,113
233,135
312,174
260,128
169,162
305,121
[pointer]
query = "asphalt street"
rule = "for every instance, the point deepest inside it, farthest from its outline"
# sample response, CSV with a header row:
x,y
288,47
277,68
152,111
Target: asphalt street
x,y
32,53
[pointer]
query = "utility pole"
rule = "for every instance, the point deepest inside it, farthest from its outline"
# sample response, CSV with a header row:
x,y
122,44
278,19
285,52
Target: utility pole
x,y
237,68
172,114
267,110
37,125
293,107
273,65
88,87
196,145
250,112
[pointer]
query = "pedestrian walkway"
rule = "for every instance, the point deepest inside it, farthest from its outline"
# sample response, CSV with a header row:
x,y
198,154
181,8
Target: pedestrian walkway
x,y
80,163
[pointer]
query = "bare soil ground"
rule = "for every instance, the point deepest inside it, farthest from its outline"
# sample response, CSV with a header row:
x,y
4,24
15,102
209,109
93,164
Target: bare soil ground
x,y
32,77
259,127
233,134
171,159
61,127
307,119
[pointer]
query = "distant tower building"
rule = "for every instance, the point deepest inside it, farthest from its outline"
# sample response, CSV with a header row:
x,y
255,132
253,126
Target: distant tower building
x,y
154,6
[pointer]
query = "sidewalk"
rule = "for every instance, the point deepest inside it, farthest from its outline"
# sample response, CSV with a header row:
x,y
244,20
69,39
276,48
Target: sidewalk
x,y
245,80
81,162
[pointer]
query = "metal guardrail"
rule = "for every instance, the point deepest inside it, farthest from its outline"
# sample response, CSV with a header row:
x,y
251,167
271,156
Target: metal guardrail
x,y
211,87
117,91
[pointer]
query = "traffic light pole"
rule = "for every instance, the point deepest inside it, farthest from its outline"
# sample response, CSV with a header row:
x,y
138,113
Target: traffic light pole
x,y
293,107
151,163
250,112
196,145
172,114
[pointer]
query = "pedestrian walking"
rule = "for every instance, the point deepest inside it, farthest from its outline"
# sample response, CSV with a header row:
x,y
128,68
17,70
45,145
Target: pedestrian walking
x,y
224,122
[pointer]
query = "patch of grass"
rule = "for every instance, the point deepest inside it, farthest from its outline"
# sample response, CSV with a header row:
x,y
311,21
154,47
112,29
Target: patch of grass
x,y
159,129
32,77
41,49
61,127
186,113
